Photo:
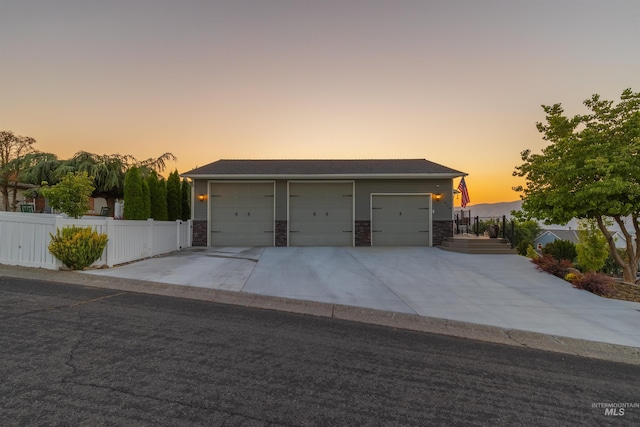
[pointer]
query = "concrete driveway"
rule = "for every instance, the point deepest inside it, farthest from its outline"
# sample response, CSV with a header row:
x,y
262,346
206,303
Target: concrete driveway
x,y
497,290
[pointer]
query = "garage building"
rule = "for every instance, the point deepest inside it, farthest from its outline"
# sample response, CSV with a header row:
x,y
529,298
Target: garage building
x,y
322,203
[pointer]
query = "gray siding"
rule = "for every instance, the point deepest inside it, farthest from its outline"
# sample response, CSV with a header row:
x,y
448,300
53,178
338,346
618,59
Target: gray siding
x,y
443,208
364,188
200,208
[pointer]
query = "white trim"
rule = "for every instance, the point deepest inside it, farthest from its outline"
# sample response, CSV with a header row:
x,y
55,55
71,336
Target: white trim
x,y
225,181
431,212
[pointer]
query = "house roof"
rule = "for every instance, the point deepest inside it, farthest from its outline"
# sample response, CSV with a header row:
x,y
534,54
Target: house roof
x,y
389,168
570,235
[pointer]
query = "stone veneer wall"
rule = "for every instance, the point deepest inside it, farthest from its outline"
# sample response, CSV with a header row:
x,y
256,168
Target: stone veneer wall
x,y
442,230
281,233
363,233
199,232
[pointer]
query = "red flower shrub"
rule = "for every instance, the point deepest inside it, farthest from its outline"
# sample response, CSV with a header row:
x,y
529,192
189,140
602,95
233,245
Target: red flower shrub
x,y
548,263
597,283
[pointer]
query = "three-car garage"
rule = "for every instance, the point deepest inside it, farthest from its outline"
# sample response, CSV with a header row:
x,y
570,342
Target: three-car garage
x,y
322,203
319,213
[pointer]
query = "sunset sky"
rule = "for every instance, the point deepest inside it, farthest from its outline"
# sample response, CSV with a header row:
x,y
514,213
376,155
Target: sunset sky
x,y
458,82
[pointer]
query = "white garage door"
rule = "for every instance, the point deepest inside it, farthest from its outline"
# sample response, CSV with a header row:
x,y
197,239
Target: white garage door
x,y
321,214
400,220
242,214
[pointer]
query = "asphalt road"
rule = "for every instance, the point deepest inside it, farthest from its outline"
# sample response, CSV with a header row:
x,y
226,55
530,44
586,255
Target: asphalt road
x,y
85,356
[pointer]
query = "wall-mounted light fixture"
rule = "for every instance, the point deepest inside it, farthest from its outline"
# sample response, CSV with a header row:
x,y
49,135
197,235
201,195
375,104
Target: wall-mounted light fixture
x,y
202,197
437,197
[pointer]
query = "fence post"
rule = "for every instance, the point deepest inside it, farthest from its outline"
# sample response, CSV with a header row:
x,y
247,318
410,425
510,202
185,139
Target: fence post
x,y
476,224
178,226
110,241
504,226
149,251
189,234
513,233
57,224
457,225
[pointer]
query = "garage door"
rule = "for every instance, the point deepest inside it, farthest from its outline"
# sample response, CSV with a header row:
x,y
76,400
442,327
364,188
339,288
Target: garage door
x,y
321,214
242,214
401,220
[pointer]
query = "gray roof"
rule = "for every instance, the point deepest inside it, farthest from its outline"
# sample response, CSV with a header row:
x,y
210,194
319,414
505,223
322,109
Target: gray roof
x,y
570,235
397,167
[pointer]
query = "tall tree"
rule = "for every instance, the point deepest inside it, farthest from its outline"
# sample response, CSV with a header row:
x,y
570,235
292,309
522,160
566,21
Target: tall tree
x,y
590,169
592,247
13,149
163,214
174,195
109,170
185,200
136,204
157,197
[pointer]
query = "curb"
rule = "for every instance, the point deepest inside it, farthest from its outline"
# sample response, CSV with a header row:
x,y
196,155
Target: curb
x,y
413,322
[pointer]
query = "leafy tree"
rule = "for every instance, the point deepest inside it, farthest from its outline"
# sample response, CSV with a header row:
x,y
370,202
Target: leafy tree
x,y
13,149
561,249
70,195
611,267
108,171
136,199
525,232
157,197
185,200
592,248
174,196
590,169
41,167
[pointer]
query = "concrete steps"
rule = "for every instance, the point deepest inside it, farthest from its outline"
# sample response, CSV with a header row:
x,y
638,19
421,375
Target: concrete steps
x,y
477,245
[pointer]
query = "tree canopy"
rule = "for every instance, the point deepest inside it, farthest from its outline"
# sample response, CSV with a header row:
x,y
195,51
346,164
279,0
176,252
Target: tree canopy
x,y
71,195
108,170
590,169
13,149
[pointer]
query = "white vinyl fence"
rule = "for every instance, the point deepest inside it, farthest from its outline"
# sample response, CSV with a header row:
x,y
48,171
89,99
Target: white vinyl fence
x,y
25,237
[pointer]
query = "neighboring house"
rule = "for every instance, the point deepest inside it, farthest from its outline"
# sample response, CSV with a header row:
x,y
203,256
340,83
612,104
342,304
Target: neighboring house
x,y
21,199
548,236
322,202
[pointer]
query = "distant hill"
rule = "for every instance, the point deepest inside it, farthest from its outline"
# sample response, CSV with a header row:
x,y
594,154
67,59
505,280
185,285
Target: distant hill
x,y
493,209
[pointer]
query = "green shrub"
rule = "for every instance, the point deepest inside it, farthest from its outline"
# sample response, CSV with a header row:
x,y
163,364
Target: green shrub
x,y
548,263
529,251
71,195
77,247
572,277
561,249
597,283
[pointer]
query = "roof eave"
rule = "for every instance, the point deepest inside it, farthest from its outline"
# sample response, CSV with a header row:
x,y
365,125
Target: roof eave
x,y
446,175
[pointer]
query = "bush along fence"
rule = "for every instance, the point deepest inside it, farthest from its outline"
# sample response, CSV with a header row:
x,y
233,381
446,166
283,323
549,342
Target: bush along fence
x,y
25,238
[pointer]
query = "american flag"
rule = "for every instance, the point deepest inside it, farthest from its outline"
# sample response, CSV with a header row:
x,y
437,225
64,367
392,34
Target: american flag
x,y
462,187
